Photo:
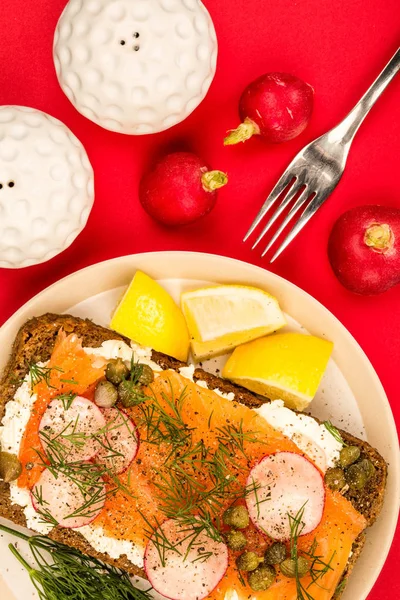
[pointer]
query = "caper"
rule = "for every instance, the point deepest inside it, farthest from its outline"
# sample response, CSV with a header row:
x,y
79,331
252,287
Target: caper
x,y
129,393
236,540
368,467
147,375
349,455
262,578
236,516
335,479
295,568
248,561
116,371
356,477
105,394
10,467
275,554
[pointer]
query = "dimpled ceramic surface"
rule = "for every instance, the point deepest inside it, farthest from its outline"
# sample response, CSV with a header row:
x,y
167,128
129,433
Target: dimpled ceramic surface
x,y
135,66
46,187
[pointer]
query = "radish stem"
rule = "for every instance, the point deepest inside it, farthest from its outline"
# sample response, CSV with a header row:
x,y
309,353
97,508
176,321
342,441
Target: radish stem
x,y
242,133
379,237
213,180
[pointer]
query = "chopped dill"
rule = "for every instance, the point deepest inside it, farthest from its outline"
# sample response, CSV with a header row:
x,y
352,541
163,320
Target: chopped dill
x,y
203,556
136,371
334,431
15,380
240,577
67,400
340,587
253,488
318,568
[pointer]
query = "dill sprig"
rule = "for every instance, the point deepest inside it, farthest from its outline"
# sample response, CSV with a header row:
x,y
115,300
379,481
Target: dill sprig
x,y
70,381
67,399
318,567
234,437
165,424
240,577
104,439
334,431
60,572
38,373
340,587
254,488
88,477
159,539
133,383
136,370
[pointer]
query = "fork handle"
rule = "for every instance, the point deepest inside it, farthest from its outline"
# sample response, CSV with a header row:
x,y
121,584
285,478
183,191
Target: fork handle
x,y
347,129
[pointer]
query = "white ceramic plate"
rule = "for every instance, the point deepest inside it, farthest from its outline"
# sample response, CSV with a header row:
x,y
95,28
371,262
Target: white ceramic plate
x,y
350,394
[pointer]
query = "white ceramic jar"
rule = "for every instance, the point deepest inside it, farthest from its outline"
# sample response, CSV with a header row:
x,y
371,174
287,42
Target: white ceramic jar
x,y
46,187
135,66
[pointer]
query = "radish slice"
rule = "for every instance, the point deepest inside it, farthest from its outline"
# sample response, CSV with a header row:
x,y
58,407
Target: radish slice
x,y
120,443
62,501
74,425
283,483
180,572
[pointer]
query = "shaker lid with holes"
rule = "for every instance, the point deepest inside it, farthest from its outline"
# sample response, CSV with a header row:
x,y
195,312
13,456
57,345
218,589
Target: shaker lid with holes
x,y
135,66
46,187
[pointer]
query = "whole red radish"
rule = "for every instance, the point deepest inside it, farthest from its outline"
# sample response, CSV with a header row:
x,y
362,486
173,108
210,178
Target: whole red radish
x,y
180,188
276,106
364,249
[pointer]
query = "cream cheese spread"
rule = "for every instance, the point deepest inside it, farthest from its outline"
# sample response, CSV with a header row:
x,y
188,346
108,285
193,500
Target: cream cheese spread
x,y
311,437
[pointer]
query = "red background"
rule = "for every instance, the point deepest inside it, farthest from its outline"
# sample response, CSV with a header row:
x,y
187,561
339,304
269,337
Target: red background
x,y
339,46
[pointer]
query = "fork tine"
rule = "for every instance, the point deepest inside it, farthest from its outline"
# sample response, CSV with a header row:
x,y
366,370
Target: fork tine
x,y
296,206
278,189
308,212
285,202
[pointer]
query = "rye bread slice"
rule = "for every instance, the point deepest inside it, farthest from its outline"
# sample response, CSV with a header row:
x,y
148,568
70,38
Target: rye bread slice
x,y
34,343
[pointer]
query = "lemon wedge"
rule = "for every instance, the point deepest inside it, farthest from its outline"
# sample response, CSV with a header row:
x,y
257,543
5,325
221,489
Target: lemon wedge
x,y
286,366
222,317
148,315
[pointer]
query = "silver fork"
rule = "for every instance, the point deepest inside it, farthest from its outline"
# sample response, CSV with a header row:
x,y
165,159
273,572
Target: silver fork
x,y
316,170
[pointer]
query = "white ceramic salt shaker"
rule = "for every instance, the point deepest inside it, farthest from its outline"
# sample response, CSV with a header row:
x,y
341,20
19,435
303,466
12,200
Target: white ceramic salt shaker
x,y
135,66
46,187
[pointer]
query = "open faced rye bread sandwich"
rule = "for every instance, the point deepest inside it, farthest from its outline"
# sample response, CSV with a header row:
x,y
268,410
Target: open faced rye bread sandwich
x,y
177,475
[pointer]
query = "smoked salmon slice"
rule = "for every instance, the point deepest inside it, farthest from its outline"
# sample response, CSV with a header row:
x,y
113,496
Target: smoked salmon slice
x,y
70,369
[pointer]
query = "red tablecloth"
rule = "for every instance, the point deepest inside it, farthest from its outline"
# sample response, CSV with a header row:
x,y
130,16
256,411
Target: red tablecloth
x,y
339,46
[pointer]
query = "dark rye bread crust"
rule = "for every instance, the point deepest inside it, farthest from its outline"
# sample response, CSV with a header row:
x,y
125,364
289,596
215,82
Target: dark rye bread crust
x,y
34,343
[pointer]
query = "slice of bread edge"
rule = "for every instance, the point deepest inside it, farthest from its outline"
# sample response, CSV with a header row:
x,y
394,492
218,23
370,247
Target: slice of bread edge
x,y
34,342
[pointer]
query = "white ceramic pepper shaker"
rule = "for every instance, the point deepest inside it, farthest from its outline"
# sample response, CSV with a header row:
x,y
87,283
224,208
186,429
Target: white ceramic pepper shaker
x,y
46,187
135,66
